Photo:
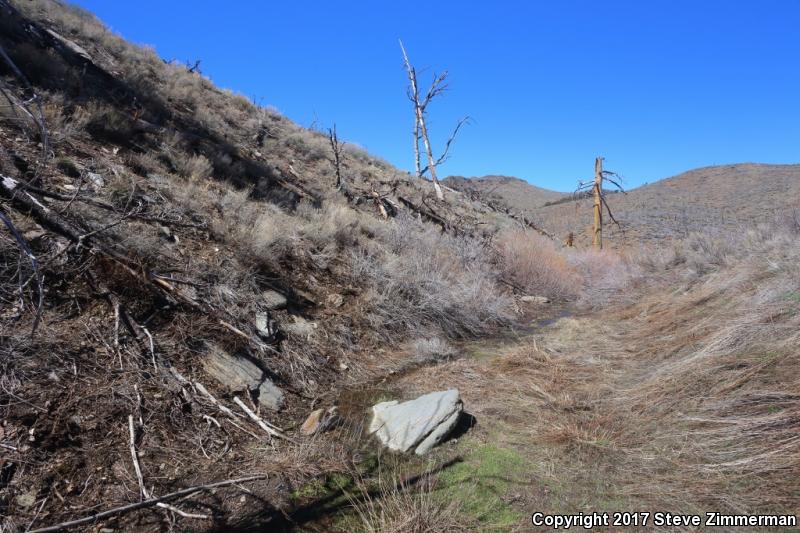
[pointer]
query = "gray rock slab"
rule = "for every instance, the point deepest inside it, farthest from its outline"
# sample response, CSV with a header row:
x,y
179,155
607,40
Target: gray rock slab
x,y
417,424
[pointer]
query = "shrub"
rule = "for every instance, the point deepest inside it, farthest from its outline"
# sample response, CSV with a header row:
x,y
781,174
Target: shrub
x,y
195,167
421,277
604,274
533,263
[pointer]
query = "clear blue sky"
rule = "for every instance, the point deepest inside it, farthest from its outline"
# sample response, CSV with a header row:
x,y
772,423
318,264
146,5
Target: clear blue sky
x,y
657,87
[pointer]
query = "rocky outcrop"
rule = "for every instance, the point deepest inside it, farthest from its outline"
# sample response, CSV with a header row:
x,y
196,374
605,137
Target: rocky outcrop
x,y
418,424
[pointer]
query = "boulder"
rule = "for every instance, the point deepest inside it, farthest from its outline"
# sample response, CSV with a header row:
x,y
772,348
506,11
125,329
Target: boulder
x,y
95,180
418,424
265,326
273,300
301,328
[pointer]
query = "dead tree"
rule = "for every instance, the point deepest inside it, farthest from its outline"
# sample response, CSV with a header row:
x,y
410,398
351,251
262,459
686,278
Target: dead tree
x,y
438,86
336,150
596,188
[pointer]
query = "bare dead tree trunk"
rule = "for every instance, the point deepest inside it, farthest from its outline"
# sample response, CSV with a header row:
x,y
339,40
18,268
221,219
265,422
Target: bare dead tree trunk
x,y
336,148
597,237
596,188
417,165
431,162
420,127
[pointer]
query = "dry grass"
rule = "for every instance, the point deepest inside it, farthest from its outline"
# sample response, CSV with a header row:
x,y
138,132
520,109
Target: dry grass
x,y
391,506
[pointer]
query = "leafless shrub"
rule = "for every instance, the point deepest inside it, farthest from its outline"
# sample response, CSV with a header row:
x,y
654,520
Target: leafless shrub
x,y
431,349
423,280
195,167
605,274
533,263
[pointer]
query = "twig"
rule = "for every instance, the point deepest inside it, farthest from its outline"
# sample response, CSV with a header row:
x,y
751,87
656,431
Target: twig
x,y
139,477
199,386
182,513
147,503
261,423
23,245
37,513
152,346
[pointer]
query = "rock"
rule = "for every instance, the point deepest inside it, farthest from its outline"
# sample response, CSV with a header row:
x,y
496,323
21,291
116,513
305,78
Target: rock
x,y
420,424
312,423
265,326
273,300
234,372
269,395
34,234
301,328
320,420
71,45
96,180
238,374
535,299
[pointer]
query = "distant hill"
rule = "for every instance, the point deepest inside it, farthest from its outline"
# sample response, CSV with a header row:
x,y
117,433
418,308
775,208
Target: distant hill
x,y
505,191
726,197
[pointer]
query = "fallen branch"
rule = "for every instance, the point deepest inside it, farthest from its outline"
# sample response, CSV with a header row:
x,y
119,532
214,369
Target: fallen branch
x,y
231,415
269,428
147,503
182,513
135,457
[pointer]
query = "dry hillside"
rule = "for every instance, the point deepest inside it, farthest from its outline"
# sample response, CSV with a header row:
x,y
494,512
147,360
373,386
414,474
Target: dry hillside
x,y
170,247
505,191
725,198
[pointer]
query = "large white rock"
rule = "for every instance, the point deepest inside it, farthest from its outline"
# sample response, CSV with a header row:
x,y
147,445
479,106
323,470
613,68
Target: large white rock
x,y
418,424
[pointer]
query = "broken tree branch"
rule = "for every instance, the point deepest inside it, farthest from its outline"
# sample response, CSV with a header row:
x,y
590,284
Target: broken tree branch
x,y
147,503
266,426
135,457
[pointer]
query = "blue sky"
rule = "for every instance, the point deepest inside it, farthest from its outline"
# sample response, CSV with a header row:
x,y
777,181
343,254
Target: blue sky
x,y
657,87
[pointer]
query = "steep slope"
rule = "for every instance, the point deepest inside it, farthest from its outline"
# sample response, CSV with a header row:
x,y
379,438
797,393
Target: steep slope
x,y
726,197
505,191
168,248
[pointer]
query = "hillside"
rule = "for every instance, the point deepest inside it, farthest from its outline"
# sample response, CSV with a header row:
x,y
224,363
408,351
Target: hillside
x,y
723,198
171,248
504,191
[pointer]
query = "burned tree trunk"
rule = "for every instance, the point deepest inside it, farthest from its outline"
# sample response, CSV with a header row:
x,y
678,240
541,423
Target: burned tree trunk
x,y
597,235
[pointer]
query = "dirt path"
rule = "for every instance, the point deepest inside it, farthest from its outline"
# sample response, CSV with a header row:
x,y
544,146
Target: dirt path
x,y
533,393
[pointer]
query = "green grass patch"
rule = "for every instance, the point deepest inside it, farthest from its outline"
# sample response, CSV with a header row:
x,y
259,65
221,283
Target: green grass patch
x,y
481,481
